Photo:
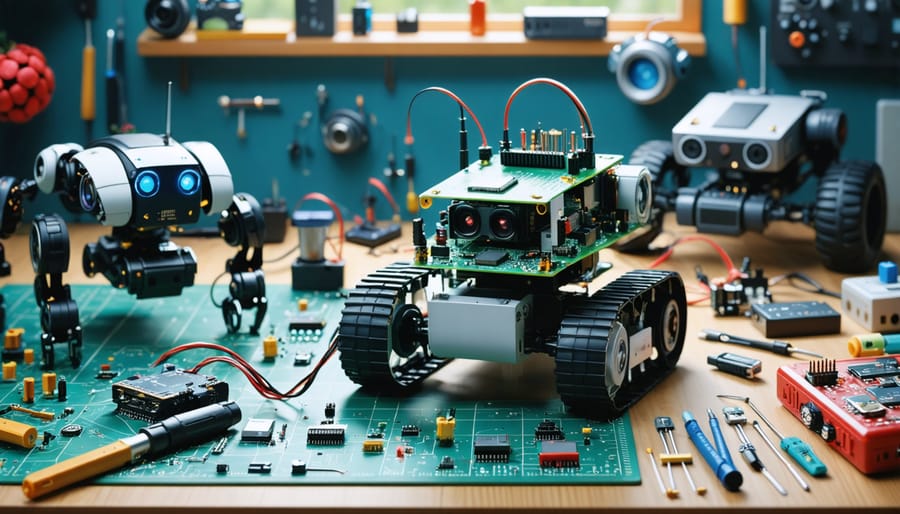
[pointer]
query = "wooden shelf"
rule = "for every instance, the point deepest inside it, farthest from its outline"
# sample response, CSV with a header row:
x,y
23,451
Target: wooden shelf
x,y
386,43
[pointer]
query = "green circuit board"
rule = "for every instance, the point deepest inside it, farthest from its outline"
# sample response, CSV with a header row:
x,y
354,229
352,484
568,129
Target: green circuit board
x,y
127,335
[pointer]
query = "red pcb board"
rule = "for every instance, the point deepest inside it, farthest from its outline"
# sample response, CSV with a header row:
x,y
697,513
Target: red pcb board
x,y
854,405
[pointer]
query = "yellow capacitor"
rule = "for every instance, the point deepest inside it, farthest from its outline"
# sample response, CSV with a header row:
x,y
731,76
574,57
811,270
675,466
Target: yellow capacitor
x,y
17,433
9,370
270,347
734,12
13,338
29,356
302,304
48,383
28,390
445,430
373,445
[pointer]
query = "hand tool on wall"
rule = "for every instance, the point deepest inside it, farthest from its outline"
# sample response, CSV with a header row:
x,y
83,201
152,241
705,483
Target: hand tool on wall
x,y
87,9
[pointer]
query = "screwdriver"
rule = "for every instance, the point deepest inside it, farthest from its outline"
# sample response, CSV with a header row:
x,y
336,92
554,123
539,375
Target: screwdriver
x,y
170,434
113,105
88,10
799,450
779,347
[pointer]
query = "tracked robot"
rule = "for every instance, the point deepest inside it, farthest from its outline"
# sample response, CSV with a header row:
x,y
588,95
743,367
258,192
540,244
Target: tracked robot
x,y
493,281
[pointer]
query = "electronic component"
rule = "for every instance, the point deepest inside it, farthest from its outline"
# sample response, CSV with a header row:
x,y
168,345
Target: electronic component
x,y
71,430
62,389
270,347
873,301
834,33
155,397
822,373
28,390
887,394
736,364
492,448
299,323
222,468
258,430
298,467
19,434
880,367
373,446
330,410
326,435
491,257
865,406
311,271
106,372
48,383
446,462
564,22
12,344
409,431
219,447
558,454
302,358
446,426
548,430
841,415
785,319
9,371
259,467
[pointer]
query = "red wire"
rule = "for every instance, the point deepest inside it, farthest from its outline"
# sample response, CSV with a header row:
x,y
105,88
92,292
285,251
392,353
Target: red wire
x,y
582,112
733,272
387,194
409,137
337,212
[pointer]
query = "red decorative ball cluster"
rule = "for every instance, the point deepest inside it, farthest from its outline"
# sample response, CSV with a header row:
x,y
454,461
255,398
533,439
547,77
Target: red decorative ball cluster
x,y
26,83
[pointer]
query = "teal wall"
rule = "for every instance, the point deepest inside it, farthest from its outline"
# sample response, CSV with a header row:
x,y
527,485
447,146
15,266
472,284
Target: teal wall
x,y
484,83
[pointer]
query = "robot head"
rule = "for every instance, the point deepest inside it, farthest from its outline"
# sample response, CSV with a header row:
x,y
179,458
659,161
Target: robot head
x,y
140,181
50,167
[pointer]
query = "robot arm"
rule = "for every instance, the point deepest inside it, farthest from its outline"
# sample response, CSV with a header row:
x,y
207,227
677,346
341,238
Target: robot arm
x,y
242,224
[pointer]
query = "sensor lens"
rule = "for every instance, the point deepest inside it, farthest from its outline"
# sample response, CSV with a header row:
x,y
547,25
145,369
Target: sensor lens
x,y
146,184
188,182
643,73
87,194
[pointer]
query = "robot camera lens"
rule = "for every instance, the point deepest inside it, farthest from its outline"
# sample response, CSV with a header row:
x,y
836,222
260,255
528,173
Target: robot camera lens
x,y
503,224
87,194
466,221
146,184
188,182
757,153
643,74
692,148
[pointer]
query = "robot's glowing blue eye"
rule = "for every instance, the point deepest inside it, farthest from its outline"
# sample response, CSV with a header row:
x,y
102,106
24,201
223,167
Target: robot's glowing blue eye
x,y
146,184
188,182
643,74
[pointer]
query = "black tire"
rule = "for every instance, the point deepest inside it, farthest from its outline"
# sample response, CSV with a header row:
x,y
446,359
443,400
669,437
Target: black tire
x,y
850,216
659,159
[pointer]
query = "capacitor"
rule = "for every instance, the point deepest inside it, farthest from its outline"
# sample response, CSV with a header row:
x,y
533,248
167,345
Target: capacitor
x,y
270,347
29,356
62,389
302,304
13,339
28,390
9,370
48,383
17,433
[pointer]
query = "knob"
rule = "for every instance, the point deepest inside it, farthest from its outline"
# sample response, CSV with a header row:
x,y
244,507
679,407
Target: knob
x,y
796,39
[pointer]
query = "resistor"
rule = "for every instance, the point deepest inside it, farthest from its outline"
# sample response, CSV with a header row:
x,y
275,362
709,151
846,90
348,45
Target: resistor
x,y
545,144
440,234
28,390
572,146
48,383
533,140
9,370
17,433
524,136
62,389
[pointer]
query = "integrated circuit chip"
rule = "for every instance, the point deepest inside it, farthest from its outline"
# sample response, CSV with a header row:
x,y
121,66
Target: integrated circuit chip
x,y
559,454
491,258
258,430
492,448
156,397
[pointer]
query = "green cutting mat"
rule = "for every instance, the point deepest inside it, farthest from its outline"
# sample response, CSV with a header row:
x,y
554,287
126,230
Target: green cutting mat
x,y
129,334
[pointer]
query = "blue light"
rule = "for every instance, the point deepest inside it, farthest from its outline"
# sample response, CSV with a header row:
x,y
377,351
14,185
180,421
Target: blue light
x,y
643,74
146,184
188,182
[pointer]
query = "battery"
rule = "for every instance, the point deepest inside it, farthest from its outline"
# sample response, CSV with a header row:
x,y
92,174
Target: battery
x,y
795,319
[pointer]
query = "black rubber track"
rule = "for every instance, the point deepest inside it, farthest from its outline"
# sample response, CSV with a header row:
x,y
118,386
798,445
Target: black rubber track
x,y
368,332
850,216
636,300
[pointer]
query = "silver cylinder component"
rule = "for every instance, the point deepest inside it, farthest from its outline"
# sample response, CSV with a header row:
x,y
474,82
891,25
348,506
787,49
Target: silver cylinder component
x,y
635,192
312,243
